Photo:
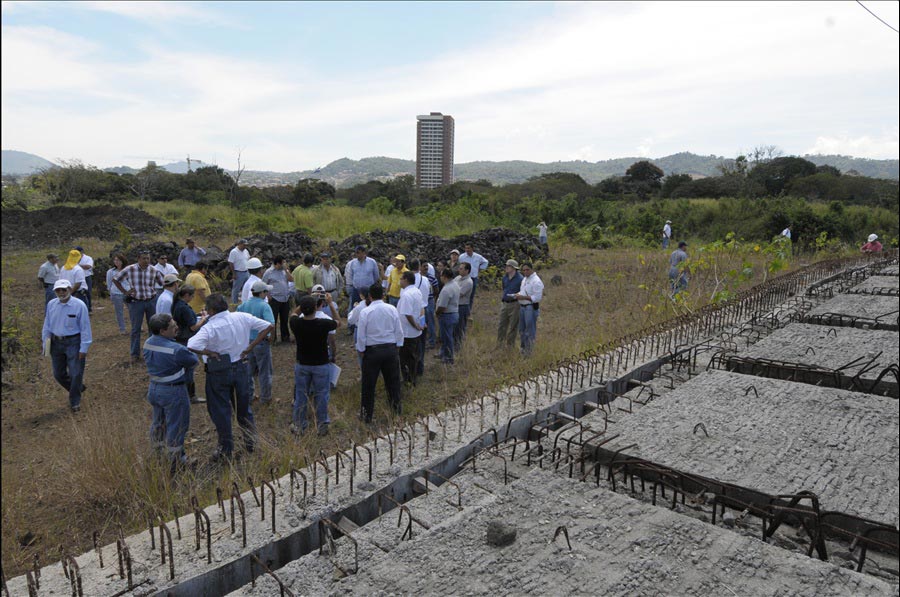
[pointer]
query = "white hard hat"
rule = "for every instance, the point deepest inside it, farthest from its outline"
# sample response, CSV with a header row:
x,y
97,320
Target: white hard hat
x,y
873,238
254,263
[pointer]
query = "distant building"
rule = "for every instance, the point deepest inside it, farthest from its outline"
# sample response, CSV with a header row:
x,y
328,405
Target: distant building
x,y
434,150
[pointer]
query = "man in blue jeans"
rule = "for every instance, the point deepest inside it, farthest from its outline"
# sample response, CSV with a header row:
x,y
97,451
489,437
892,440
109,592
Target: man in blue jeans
x,y
447,310
67,326
530,295
260,359
312,371
140,296
225,341
168,363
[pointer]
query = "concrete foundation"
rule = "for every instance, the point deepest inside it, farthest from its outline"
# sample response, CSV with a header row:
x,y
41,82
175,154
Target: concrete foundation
x,y
880,285
782,438
876,312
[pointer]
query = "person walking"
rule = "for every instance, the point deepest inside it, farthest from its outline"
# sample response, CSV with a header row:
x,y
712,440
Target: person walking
x,y
74,273
190,255
312,371
197,279
48,274
411,309
378,339
280,295
237,263
477,264
529,296
447,311
508,327
167,365
466,286
678,274
115,295
67,328
188,324
260,358
667,234
87,264
140,296
167,296
225,341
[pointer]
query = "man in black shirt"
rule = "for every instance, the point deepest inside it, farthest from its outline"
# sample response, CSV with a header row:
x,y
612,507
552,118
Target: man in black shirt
x,y
312,371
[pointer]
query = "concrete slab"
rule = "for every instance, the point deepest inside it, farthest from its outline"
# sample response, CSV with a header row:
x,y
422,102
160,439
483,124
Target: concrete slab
x,y
883,309
619,546
855,352
891,270
883,285
784,438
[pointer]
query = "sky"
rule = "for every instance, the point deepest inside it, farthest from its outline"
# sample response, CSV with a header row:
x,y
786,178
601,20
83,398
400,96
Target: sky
x,y
293,86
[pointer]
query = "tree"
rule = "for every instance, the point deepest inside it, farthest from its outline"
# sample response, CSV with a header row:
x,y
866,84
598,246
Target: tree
x,y
644,171
311,191
776,174
672,182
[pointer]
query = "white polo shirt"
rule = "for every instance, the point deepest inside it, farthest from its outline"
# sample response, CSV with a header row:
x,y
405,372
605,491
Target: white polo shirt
x,y
227,333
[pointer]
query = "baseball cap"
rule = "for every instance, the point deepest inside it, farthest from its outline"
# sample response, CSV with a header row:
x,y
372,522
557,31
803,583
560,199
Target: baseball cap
x,y
325,254
668,221
62,283
254,263
170,279
318,288
512,263
682,244
400,257
452,251
873,238
241,241
359,248
260,286
79,249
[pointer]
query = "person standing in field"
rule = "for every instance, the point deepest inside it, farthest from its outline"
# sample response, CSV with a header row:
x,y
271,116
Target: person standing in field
x,y
786,233
48,274
303,277
412,312
447,311
197,279
667,234
542,233
678,275
254,268
115,295
140,296
530,295
260,358
280,295
167,296
73,272
190,256
165,268
477,264
237,262
67,327
87,264
508,327
188,324
378,339
466,286
872,246
312,370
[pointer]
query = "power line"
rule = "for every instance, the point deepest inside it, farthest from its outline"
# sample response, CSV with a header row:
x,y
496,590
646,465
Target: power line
x,y
877,17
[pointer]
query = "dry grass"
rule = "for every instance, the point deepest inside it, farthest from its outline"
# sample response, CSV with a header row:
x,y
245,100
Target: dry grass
x,y
64,477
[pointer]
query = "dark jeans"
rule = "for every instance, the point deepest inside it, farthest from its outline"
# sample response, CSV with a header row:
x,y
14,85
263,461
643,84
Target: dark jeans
x,y
88,286
410,357
49,295
171,418
282,312
137,312
429,322
448,322
68,369
460,332
471,304
383,359
219,387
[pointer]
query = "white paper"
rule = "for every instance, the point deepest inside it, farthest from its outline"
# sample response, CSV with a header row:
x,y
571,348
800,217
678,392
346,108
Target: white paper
x,y
335,374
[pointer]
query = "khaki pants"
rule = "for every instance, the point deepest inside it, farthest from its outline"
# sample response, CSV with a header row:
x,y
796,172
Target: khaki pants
x,y
509,323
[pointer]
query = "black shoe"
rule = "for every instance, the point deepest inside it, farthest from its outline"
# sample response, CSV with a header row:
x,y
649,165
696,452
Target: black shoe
x,y
76,409
323,430
220,456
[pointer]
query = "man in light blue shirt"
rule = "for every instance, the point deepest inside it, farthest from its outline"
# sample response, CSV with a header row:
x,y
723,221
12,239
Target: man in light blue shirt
x,y
260,358
478,264
190,255
67,326
362,273
167,296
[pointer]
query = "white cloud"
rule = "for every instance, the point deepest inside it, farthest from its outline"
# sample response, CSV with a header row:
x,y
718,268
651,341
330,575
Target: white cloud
x,y
597,81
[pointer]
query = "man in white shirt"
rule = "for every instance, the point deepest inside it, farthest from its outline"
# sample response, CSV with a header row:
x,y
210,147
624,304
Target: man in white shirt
x,y
167,296
165,268
478,264
237,261
412,310
225,340
378,338
87,264
667,234
254,269
786,233
48,275
529,297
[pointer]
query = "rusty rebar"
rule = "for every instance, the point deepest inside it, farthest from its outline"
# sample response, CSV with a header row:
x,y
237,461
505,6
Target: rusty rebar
x,y
162,550
236,495
262,496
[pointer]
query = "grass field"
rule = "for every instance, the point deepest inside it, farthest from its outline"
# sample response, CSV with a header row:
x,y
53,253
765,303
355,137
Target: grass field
x,y
65,476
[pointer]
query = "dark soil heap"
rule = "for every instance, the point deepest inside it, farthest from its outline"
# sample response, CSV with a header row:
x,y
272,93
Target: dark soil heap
x,y
61,225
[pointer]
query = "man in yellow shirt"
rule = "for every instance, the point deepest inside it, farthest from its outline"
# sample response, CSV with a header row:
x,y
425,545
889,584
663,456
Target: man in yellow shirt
x,y
303,277
197,279
394,280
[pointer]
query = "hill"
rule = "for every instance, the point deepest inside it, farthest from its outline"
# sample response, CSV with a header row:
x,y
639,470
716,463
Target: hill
x,y
20,162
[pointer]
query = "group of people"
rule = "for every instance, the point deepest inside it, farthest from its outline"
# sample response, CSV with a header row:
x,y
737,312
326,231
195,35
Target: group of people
x,y
395,314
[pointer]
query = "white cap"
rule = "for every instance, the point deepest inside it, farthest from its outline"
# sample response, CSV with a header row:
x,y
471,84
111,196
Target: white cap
x,y
318,288
254,263
260,286
170,279
62,283
873,238
668,221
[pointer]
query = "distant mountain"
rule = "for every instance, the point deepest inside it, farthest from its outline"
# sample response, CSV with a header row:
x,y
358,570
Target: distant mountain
x,y
21,163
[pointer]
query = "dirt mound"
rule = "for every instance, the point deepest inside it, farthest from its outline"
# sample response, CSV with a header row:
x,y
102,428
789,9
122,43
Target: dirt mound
x,y
61,225
495,244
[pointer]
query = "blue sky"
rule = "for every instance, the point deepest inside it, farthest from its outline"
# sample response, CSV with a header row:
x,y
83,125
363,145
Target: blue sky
x,y
296,85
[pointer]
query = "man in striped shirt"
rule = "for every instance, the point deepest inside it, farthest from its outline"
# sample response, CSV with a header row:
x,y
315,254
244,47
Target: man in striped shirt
x,y
140,298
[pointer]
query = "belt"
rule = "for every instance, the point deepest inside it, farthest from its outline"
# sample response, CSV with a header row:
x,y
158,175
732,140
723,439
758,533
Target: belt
x,y
528,305
177,383
55,337
510,300
48,284
394,344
